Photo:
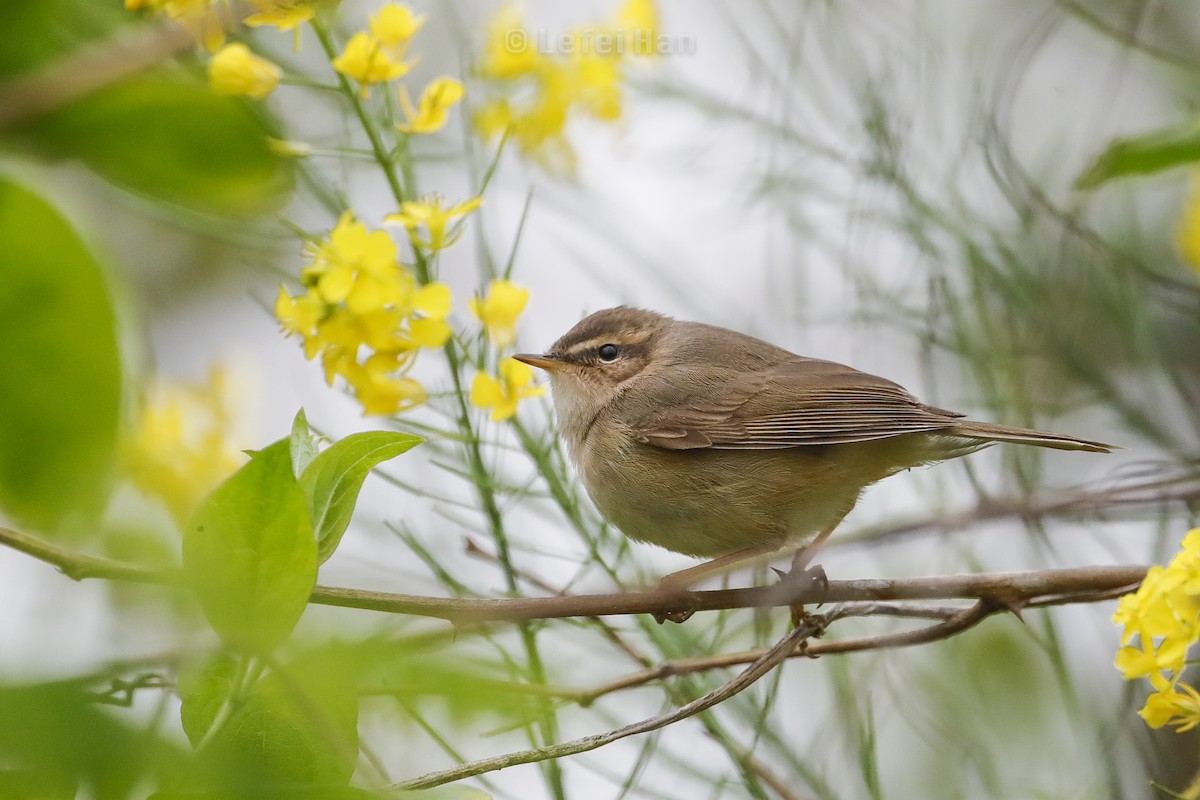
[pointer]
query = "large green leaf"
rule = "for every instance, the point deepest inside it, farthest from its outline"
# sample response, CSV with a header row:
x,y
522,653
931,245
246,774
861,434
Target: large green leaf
x,y
174,140
1142,155
333,479
250,553
297,727
60,363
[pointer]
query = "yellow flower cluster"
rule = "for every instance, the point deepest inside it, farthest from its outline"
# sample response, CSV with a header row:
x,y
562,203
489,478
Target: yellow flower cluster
x,y
180,448
364,314
1161,621
539,92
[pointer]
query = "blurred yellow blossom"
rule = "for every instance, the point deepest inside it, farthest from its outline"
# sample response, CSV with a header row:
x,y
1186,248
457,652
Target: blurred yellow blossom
x,y
498,311
1187,232
502,394
1160,621
428,213
181,444
363,313
538,93
285,15
433,107
508,49
235,70
366,60
205,20
394,25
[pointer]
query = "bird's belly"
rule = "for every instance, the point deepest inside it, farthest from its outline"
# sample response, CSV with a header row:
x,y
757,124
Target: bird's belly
x,y
708,502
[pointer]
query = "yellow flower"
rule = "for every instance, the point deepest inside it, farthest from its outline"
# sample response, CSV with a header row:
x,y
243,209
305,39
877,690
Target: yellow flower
x,y
428,213
368,61
595,82
284,15
638,22
1169,706
502,395
378,391
1160,621
494,118
358,267
235,70
300,316
180,447
433,107
395,25
1187,232
499,311
509,50
205,20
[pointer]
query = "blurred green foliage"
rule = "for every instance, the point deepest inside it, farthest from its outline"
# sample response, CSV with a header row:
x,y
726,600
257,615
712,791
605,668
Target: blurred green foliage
x,y
168,136
60,364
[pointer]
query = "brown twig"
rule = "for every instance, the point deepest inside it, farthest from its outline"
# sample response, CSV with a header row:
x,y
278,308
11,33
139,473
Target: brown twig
x,y
1012,589
772,657
953,620
89,69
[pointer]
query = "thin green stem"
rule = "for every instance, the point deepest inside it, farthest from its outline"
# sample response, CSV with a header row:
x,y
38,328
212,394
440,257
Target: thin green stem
x,y
381,154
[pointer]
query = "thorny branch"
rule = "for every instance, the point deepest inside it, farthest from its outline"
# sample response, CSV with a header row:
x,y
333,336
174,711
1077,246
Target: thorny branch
x,y
1013,590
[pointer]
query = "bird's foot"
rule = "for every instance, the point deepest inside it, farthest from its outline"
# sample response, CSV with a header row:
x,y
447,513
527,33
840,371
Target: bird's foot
x,y
808,581
679,603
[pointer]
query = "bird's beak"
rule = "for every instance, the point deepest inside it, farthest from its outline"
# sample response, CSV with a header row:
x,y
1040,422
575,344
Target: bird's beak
x,y
546,362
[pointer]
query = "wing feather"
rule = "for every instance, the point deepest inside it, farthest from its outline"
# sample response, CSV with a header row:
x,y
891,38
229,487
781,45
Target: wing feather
x,y
797,403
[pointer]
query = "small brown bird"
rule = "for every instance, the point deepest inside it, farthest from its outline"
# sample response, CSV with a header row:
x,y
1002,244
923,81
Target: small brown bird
x,y
712,443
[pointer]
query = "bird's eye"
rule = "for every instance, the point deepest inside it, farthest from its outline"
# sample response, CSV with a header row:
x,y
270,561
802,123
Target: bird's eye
x,y
608,352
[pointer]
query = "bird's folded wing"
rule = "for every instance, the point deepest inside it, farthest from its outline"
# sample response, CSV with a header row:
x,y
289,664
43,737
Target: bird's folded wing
x,y
803,402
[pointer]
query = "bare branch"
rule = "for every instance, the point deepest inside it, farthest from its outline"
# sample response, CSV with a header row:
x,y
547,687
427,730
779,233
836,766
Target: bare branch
x,y
807,627
1011,589
954,620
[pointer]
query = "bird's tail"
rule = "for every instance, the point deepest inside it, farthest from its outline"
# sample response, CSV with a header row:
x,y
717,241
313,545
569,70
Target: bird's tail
x,y
1008,433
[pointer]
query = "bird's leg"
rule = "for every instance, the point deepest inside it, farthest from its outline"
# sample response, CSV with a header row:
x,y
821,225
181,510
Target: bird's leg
x,y
717,566
801,571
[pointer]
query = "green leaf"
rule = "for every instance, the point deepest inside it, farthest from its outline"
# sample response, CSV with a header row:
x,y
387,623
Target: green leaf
x,y
57,741
303,444
250,555
37,31
1143,155
174,140
60,362
297,727
332,481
